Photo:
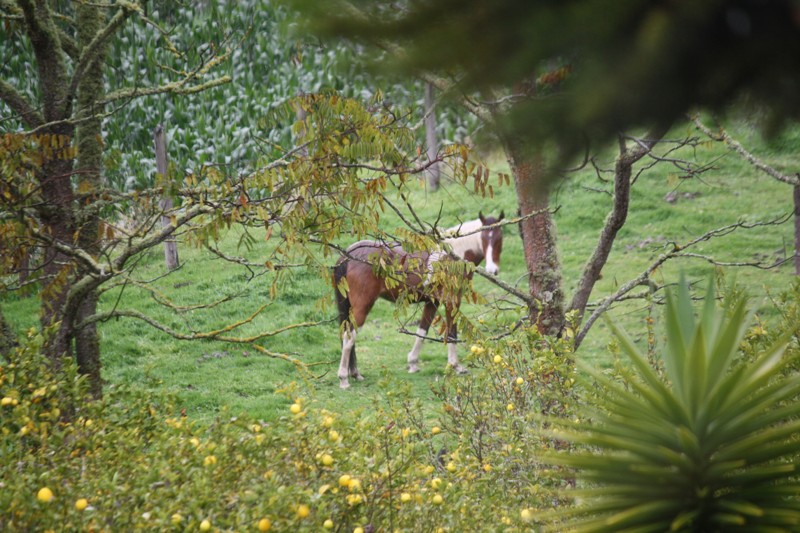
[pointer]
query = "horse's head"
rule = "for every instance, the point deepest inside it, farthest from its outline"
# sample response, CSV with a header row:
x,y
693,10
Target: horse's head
x,y
492,242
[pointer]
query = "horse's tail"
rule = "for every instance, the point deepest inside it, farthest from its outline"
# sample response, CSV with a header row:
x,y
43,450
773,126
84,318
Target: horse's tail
x,y
342,301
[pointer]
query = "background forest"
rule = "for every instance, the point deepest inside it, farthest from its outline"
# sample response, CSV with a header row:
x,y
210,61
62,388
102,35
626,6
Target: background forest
x,y
196,389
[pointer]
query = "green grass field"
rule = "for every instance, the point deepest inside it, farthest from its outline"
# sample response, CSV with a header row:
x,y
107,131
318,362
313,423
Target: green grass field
x,y
206,376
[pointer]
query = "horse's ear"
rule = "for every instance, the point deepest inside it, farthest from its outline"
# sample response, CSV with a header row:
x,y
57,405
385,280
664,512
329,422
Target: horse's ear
x,y
480,216
502,216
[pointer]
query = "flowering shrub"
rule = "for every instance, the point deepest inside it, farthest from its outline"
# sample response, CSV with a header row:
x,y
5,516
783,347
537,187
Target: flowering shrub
x,y
133,462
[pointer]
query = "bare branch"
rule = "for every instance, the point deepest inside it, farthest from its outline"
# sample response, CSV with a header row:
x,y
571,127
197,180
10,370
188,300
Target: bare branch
x,y
734,145
177,87
677,251
506,287
616,219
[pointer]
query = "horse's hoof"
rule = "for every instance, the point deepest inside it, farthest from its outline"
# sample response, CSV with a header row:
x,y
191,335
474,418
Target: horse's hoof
x,y
358,377
460,370
413,369
344,384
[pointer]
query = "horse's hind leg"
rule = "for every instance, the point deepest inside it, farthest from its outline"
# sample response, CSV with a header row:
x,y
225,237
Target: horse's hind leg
x,y
428,313
348,350
348,366
353,367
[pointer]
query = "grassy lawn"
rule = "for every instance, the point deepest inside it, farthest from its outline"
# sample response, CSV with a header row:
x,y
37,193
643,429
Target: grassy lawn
x,y
206,376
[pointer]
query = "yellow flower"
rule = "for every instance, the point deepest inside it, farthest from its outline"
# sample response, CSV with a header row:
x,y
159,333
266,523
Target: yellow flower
x,y
176,518
358,530
264,525
526,515
44,495
405,497
353,499
328,524
436,483
344,480
195,441
81,504
210,460
520,381
303,511
6,401
510,407
436,430
205,525
437,499
497,359
333,435
327,421
326,459
354,484
487,467
295,408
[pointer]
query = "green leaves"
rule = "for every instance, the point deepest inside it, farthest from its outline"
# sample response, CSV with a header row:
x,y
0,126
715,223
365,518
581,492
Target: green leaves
x,y
708,447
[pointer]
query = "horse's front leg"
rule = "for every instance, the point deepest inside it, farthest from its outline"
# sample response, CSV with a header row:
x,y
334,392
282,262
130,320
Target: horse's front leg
x,y
428,313
451,338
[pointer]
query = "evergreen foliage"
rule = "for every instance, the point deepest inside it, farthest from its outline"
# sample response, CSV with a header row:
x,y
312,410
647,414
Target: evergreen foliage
x,y
709,445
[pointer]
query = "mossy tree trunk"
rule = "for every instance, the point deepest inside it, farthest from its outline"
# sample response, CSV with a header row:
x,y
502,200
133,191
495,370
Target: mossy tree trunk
x,y
56,202
90,88
538,233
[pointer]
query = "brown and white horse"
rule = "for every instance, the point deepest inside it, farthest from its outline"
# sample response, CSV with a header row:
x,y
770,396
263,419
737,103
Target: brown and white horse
x,y
411,274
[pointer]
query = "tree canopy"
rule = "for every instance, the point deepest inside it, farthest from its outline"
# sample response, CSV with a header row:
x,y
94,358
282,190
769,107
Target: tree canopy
x,y
620,64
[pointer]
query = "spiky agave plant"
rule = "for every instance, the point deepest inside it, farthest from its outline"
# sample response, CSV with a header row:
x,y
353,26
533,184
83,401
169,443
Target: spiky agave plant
x,y
712,446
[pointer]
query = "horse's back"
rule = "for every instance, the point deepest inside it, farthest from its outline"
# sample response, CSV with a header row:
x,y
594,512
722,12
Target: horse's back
x,y
362,275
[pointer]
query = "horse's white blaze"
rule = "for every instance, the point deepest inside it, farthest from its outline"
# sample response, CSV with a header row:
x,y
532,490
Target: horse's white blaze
x,y
413,355
491,267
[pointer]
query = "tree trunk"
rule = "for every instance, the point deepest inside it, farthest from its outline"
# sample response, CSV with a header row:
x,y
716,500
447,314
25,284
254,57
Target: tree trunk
x,y
90,162
431,142
538,239
59,227
165,204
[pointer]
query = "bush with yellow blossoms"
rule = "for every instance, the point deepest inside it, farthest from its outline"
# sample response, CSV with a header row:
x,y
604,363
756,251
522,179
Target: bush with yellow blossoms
x,y
132,462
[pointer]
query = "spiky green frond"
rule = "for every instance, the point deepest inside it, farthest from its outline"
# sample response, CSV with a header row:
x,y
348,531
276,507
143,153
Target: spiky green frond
x,y
712,446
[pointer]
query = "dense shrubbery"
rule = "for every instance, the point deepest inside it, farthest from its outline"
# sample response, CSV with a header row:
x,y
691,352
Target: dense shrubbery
x,y
134,462
492,459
